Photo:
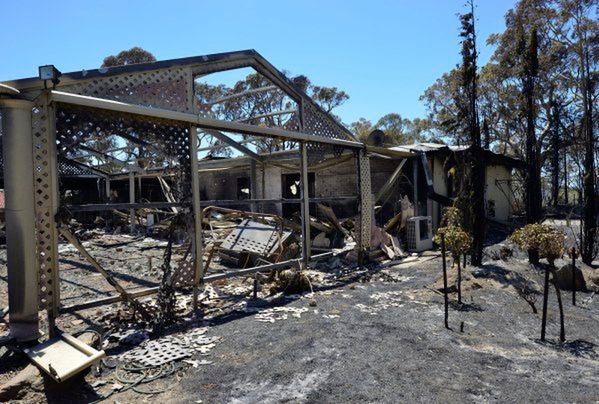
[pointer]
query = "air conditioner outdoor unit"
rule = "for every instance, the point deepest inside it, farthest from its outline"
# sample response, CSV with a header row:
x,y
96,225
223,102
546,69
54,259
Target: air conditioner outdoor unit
x,y
420,233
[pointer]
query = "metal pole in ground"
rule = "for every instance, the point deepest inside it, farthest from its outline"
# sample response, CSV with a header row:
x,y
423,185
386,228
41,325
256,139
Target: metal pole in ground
x,y
573,276
562,328
545,297
445,282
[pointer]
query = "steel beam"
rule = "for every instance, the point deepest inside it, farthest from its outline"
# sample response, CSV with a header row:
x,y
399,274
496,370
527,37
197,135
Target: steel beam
x,y
98,207
209,278
241,94
268,114
201,122
100,154
236,145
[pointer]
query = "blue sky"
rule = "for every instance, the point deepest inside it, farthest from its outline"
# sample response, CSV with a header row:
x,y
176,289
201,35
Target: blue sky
x,y
384,54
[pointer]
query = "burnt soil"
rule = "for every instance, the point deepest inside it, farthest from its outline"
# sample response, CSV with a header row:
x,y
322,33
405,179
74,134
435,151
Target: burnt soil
x,y
379,336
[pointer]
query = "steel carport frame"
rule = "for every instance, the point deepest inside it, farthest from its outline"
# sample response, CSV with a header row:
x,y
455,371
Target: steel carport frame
x,y
124,90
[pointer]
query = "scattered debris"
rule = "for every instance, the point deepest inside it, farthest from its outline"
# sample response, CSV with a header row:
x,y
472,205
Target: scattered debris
x,y
273,314
383,301
172,348
291,281
64,356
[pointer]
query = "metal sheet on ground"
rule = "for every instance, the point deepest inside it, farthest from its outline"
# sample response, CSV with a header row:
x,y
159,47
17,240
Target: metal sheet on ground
x,y
254,237
63,356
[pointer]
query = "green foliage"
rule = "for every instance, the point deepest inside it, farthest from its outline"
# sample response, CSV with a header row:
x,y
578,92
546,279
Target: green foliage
x,y
548,241
328,98
361,128
540,84
398,130
247,101
452,217
129,57
457,241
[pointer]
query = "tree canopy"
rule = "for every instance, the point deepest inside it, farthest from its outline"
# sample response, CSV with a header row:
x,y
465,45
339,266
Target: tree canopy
x,y
129,57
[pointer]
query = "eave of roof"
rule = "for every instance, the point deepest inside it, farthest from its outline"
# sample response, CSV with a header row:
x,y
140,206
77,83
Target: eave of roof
x,y
432,148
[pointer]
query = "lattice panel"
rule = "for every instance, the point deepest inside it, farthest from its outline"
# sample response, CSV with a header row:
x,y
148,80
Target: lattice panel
x,y
184,272
45,195
366,206
319,124
165,88
161,143
69,167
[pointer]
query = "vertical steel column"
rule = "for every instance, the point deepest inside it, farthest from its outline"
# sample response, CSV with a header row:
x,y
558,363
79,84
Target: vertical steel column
x,y
107,184
20,218
132,200
305,205
48,201
415,181
366,201
198,268
253,185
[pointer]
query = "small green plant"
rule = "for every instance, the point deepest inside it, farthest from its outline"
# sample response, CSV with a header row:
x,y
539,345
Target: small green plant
x,y
457,241
549,243
546,240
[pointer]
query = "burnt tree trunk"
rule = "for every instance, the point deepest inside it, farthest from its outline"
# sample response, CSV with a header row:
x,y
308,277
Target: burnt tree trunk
x,y
555,146
475,194
478,206
459,281
486,134
590,210
533,178
565,177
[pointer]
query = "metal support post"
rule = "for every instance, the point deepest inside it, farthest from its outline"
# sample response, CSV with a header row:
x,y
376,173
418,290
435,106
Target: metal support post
x,y
415,181
198,268
366,202
107,184
305,205
132,200
253,185
20,218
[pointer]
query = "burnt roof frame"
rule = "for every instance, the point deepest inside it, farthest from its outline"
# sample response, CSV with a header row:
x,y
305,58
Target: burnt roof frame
x,y
199,65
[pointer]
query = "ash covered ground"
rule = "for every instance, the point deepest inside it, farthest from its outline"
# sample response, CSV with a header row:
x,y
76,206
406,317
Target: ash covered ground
x,y
372,335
